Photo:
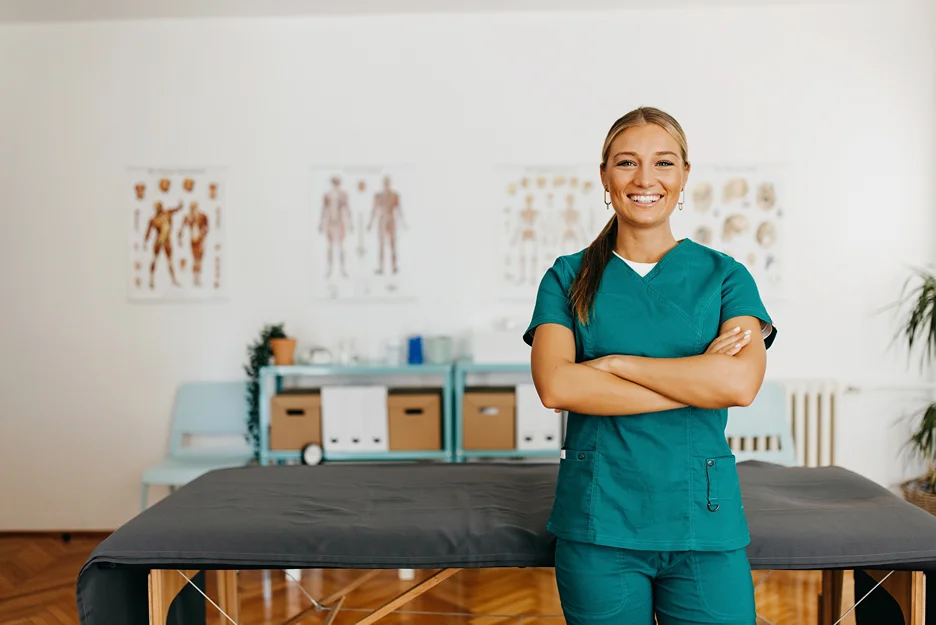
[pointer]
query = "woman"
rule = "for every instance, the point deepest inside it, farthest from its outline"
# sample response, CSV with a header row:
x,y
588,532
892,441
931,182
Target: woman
x,y
646,341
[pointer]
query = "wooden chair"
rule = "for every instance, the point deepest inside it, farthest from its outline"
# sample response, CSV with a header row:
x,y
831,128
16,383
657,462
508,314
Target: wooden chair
x,y
202,410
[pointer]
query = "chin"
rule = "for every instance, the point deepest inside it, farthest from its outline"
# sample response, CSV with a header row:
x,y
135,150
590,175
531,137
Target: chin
x,y
644,221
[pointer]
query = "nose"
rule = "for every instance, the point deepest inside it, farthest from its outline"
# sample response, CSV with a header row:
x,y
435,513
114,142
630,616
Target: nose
x,y
644,175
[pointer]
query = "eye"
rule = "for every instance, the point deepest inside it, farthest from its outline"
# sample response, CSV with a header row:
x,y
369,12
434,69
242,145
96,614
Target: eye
x,y
625,163
665,164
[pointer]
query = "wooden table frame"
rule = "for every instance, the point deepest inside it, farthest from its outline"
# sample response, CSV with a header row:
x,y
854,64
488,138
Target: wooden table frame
x,y
907,587
165,584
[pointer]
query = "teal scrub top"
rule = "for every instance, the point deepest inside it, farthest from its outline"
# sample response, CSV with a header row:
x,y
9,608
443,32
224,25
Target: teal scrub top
x,y
662,481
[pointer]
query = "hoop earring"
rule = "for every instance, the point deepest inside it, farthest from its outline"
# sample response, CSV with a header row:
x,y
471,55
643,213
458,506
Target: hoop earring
x,y
682,198
607,200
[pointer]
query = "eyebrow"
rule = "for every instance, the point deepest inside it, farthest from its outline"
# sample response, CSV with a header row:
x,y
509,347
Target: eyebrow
x,y
635,153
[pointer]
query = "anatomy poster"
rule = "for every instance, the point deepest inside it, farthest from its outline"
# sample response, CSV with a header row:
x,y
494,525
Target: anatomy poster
x,y
177,219
544,212
739,211
363,245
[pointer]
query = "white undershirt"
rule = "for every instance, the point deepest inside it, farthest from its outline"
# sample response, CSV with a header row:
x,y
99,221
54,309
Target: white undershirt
x,y
642,269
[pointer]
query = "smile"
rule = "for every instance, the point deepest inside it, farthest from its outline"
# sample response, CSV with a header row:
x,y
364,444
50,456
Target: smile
x,y
644,200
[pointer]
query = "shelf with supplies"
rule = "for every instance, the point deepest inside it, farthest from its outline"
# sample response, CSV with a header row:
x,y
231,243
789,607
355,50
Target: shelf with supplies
x,y
380,413
498,414
327,412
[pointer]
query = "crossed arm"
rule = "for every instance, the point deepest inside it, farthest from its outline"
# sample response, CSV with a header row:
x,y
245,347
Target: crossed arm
x,y
729,373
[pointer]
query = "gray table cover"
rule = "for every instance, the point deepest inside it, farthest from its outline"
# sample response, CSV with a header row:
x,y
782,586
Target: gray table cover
x,y
461,515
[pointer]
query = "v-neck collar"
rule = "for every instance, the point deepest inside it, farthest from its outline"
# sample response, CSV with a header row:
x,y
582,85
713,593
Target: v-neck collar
x,y
656,268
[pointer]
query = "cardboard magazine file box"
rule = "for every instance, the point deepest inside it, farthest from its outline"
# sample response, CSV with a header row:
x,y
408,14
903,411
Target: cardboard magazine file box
x,y
415,421
488,420
295,421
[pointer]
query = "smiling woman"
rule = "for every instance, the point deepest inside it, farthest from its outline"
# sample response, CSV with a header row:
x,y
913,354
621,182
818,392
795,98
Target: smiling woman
x,y
646,341
644,169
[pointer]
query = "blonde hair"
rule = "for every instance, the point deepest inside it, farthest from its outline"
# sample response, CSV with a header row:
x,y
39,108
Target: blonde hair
x,y
596,256
641,117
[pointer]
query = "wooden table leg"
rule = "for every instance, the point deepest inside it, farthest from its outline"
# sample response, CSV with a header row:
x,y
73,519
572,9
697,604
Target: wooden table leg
x,y
228,599
830,597
164,585
908,588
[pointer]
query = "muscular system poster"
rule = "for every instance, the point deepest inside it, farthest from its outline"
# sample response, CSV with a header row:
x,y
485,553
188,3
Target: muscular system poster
x,y
176,224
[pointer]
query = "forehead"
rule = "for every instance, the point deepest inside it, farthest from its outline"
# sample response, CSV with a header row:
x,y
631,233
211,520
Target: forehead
x,y
644,139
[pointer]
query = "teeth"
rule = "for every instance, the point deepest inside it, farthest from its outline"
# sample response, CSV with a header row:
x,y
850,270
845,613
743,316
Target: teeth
x,y
645,199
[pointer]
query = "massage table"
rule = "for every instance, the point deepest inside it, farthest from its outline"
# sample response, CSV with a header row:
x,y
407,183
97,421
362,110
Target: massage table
x,y
446,517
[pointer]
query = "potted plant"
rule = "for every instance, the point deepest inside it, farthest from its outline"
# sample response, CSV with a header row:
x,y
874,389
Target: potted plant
x,y
918,331
284,350
259,354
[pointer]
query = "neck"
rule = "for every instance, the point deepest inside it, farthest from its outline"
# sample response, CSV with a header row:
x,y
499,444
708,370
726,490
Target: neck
x,y
644,246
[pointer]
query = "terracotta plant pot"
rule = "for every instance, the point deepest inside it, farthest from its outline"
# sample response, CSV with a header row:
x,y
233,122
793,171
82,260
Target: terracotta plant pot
x,y
284,351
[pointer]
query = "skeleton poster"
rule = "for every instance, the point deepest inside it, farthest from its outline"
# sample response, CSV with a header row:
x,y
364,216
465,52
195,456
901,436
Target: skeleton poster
x,y
362,217
739,211
544,212
176,221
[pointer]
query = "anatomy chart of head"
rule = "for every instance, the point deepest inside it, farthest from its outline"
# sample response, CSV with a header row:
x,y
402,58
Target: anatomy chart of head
x,y
362,218
177,222
738,210
544,212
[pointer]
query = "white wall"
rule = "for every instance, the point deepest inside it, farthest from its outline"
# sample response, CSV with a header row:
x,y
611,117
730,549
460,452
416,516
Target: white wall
x,y
845,97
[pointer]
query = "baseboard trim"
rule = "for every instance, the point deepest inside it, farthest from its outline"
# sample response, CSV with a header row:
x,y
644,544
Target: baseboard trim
x,y
60,534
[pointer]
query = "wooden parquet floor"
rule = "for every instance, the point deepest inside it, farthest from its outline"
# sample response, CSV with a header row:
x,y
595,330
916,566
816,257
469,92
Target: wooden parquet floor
x,y
38,574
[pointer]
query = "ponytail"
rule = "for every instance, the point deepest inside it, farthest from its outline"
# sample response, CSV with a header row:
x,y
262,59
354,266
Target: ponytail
x,y
594,260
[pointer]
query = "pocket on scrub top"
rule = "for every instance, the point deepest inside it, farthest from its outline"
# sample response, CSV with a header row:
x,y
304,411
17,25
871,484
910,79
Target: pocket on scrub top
x,y
574,488
721,482
719,519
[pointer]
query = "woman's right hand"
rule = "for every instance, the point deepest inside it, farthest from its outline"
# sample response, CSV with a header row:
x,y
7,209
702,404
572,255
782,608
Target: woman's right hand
x,y
729,343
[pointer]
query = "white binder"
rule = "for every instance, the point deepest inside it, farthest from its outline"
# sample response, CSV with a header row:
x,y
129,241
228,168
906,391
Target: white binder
x,y
538,427
354,418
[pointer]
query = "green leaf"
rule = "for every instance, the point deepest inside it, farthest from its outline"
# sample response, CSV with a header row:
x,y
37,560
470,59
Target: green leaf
x,y
259,354
918,325
917,330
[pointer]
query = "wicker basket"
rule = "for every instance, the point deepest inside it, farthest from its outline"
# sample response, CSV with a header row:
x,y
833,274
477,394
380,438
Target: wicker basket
x,y
919,497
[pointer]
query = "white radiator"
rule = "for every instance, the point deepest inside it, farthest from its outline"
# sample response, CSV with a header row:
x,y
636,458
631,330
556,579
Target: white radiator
x,y
811,407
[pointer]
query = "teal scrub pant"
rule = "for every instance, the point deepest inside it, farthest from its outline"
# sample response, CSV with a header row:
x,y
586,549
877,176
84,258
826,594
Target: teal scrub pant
x,y
610,586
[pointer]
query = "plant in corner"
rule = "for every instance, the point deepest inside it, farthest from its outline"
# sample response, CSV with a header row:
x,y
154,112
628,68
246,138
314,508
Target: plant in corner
x,y
918,330
259,354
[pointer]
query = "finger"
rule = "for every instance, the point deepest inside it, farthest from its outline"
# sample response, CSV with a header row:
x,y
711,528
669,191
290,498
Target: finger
x,y
727,336
724,340
739,345
733,348
743,336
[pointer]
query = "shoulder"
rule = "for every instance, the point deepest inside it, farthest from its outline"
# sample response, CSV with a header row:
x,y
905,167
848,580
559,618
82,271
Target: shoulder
x,y
707,258
715,263
567,266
